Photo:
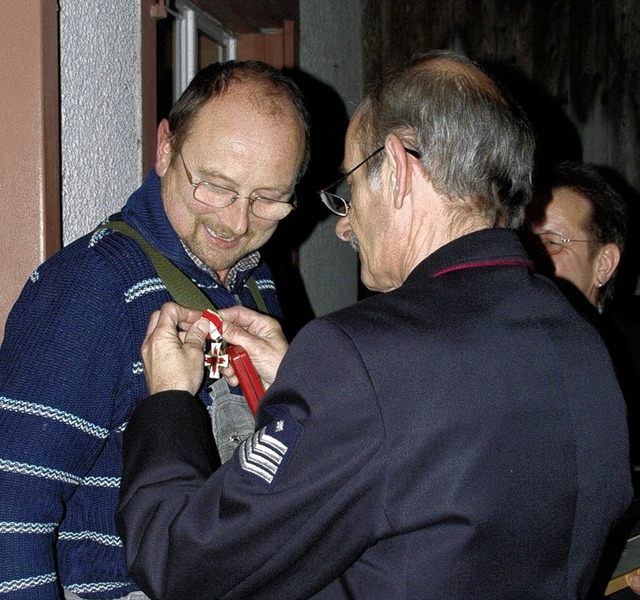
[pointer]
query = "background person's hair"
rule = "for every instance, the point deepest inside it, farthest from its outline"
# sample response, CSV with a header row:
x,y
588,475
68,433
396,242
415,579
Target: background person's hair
x,y
608,219
214,79
477,146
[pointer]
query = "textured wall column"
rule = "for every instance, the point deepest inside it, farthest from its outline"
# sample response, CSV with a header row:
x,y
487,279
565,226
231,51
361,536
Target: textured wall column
x,y
101,124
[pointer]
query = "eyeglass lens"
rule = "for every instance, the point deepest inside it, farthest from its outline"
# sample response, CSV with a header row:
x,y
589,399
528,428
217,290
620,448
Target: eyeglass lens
x,y
263,208
338,205
550,246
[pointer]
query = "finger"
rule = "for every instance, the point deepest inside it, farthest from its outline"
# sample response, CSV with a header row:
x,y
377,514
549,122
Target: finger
x,y
180,314
243,316
230,376
197,333
235,334
153,322
233,313
173,317
188,316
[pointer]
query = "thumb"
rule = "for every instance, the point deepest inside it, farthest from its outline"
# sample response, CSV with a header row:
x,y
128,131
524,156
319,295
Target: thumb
x,y
197,333
235,334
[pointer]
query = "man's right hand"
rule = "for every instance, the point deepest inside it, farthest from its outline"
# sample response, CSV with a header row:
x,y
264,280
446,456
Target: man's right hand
x,y
172,351
262,338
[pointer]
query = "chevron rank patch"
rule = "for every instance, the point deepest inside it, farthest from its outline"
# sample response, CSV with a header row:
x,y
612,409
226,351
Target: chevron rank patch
x,y
265,454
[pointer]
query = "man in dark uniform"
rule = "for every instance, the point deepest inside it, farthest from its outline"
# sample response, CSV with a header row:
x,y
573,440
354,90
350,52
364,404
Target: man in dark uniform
x,y
460,436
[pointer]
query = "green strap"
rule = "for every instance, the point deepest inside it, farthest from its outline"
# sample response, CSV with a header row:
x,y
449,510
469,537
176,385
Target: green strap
x,y
257,296
183,290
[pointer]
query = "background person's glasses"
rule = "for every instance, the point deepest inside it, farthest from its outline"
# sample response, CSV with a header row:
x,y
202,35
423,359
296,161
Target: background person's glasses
x,y
217,196
339,205
553,243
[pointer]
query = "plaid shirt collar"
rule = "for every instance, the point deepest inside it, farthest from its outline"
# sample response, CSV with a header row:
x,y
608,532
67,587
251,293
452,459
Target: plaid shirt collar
x,y
235,274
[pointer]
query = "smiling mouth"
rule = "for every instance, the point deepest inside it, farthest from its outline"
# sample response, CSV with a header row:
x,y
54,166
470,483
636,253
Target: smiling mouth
x,y
227,242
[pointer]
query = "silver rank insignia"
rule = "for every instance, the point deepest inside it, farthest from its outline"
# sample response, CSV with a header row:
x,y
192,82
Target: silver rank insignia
x,y
264,455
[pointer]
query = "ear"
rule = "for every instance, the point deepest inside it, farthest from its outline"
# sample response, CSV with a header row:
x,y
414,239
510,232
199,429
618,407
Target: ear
x,y
400,169
164,149
608,260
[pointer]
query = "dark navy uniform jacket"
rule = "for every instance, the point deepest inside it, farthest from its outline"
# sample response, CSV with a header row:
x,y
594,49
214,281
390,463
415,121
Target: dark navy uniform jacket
x,y
460,437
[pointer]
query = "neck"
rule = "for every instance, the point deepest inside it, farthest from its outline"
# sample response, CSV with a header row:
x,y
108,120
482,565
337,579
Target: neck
x,y
429,232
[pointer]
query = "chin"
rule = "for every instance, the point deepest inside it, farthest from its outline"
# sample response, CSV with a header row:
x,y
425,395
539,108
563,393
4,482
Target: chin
x,y
374,286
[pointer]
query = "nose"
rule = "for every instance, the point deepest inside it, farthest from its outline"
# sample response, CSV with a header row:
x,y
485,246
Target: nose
x,y
236,216
343,228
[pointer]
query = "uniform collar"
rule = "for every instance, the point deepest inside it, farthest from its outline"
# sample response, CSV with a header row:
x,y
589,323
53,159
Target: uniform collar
x,y
480,249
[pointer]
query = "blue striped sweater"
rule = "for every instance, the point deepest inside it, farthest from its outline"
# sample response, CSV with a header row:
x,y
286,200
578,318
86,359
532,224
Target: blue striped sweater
x,y
70,376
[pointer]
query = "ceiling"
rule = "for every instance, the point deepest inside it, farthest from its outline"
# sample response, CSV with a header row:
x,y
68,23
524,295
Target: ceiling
x,y
242,16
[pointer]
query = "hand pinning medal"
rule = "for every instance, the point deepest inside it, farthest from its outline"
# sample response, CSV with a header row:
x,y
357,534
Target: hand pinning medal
x,y
215,356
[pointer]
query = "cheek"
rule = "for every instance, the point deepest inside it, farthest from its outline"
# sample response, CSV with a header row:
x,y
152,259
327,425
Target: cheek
x,y
259,233
573,268
181,218
174,202
262,226
558,263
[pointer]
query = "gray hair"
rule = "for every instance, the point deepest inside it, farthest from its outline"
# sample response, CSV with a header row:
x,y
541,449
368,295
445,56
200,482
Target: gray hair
x,y
477,146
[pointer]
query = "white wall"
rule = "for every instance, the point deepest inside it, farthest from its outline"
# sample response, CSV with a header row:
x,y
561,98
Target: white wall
x,y
101,123
330,51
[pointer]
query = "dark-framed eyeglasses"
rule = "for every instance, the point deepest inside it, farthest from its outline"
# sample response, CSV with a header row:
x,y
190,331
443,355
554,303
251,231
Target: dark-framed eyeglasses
x,y
217,196
554,243
339,205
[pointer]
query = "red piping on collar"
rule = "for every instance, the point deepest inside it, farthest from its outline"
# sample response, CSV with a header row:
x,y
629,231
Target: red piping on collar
x,y
486,263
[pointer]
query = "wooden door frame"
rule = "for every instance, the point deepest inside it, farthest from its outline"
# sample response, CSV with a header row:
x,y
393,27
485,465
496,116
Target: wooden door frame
x,y
30,210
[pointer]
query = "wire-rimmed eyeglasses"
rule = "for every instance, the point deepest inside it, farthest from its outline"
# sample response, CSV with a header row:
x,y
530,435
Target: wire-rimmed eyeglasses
x,y
554,243
337,204
217,196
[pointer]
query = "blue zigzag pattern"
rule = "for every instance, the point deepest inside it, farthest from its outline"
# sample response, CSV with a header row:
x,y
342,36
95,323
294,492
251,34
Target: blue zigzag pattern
x,y
94,536
16,527
110,482
36,471
265,284
28,582
89,588
144,287
98,235
55,414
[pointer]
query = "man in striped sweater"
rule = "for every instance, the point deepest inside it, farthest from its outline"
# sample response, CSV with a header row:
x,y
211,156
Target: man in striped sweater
x,y
227,161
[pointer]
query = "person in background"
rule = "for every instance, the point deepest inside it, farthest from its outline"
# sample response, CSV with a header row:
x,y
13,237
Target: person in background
x,y
461,435
227,161
580,223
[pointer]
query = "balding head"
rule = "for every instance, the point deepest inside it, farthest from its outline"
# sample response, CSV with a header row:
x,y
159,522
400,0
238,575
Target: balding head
x,y
477,148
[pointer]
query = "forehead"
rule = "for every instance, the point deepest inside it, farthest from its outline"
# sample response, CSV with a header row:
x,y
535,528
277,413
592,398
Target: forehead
x,y
568,210
243,134
247,107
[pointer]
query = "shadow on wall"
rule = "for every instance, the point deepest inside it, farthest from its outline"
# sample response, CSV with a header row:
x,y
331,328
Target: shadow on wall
x,y
556,137
329,121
